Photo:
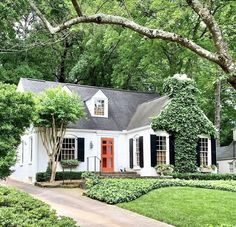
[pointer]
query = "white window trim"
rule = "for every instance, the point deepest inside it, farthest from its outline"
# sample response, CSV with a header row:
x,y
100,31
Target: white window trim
x,y
135,141
76,144
209,148
165,134
105,107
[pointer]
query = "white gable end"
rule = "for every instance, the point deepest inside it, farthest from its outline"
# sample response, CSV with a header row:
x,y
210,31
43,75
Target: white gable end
x,y
67,90
98,105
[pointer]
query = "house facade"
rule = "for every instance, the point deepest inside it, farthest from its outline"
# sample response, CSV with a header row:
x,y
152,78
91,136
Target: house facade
x,y
226,157
115,136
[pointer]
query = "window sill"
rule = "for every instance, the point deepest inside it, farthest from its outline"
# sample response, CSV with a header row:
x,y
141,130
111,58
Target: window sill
x,y
137,168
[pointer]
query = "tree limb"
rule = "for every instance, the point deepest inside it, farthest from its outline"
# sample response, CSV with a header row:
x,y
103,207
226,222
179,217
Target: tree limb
x,y
211,24
77,8
117,20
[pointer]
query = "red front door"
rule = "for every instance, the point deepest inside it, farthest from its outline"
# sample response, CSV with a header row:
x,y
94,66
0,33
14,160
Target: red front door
x,y
107,154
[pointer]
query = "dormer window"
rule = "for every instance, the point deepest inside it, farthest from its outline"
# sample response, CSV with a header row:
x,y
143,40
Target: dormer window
x,y
99,107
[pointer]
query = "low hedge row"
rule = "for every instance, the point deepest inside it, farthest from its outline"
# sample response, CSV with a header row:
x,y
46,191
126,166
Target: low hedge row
x,y
114,191
203,176
44,176
20,209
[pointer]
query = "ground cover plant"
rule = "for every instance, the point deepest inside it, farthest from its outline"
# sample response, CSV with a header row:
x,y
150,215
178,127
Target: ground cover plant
x,y
20,209
197,206
114,191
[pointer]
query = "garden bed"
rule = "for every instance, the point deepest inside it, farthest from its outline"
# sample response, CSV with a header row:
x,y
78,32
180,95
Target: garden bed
x,y
19,209
114,191
61,184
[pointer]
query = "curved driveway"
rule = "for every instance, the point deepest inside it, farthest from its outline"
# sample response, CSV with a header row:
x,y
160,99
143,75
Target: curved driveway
x,y
87,212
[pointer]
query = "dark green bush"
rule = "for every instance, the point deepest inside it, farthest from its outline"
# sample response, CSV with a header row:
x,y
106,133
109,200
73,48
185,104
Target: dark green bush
x,y
20,209
124,190
44,176
203,176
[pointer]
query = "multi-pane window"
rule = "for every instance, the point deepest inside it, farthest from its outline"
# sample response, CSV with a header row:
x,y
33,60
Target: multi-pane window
x,y
137,152
161,150
203,151
68,149
99,107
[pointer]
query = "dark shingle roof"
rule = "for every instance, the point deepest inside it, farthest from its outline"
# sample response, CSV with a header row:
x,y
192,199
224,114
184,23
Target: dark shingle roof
x,y
122,105
227,152
146,110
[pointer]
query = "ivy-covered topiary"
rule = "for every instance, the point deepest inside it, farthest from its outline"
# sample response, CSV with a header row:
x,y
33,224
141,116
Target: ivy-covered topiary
x,y
183,118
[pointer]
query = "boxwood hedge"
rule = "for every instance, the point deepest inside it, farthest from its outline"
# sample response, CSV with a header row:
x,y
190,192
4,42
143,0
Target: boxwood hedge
x,y
45,176
20,209
203,176
114,191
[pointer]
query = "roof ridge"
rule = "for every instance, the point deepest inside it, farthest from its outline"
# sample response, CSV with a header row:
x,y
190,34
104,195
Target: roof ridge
x,y
97,87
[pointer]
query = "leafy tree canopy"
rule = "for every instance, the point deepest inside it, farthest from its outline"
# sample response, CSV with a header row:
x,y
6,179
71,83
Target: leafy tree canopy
x,y
55,109
15,113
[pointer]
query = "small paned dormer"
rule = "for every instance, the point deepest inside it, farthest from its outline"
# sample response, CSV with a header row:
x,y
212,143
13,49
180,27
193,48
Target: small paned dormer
x,y
98,105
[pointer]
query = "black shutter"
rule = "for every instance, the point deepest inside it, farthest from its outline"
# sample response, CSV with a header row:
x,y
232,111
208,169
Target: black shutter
x,y
141,151
198,153
213,151
153,140
172,149
80,149
131,155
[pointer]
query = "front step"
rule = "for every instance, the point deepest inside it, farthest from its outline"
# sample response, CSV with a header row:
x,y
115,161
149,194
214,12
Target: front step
x,y
120,175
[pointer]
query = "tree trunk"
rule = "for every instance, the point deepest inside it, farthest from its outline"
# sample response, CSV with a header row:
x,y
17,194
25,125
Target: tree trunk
x,y
53,170
217,109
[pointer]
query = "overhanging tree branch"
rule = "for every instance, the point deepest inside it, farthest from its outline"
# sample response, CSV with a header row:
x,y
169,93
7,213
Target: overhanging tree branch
x,y
211,24
117,20
77,8
220,57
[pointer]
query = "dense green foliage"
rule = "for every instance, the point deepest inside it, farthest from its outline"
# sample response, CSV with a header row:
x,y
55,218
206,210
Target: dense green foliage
x,y
114,191
186,207
204,176
55,109
91,179
183,118
15,115
56,106
67,175
104,55
20,209
69,163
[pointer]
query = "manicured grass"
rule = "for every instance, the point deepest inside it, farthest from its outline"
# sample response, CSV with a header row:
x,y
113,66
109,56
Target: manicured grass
x,y
184,206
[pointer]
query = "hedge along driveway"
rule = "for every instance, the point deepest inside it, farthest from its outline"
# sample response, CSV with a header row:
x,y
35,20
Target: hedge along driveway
x,y
85,211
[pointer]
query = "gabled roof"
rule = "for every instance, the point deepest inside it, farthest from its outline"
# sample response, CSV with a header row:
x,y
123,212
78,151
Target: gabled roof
x,y
226,152
122,105
146,111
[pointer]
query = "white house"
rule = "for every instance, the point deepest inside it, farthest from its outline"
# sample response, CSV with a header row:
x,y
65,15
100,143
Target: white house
x,y
116,132
226,157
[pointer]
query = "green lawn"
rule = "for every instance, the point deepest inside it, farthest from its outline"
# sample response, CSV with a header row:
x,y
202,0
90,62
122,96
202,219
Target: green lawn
x,y
184,206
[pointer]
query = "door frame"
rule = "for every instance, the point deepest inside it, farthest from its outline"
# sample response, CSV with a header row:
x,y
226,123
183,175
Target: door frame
x,y
107,139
